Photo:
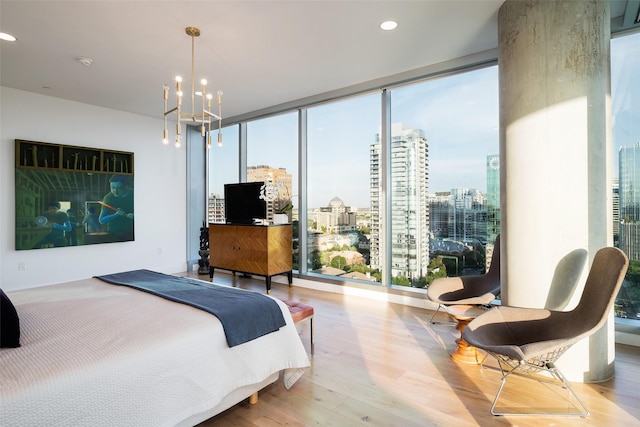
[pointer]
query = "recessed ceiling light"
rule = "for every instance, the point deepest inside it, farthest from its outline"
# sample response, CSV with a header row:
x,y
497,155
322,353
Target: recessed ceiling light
x,y
84,60
7,37
389,25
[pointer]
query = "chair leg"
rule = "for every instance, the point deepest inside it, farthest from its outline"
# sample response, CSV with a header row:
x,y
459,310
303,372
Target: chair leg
x,y
311,332
560,380
433,316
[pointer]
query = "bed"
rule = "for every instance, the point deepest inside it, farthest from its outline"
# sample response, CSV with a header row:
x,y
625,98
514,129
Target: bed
x,y
94,353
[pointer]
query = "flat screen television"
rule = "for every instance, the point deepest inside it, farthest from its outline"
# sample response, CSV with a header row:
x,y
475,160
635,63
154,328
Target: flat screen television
x,y
242,203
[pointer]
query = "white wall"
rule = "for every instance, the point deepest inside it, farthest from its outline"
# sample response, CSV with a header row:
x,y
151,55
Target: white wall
x,y
160,197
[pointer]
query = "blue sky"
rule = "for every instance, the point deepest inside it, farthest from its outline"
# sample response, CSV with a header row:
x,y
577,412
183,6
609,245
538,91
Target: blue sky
x,y
625,93
458,113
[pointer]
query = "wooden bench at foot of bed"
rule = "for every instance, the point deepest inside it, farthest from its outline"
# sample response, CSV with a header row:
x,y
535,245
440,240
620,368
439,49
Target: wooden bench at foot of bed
x,y
301,312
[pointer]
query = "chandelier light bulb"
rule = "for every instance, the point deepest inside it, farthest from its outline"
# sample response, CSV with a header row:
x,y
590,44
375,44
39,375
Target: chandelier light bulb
x,y
165,137
203,82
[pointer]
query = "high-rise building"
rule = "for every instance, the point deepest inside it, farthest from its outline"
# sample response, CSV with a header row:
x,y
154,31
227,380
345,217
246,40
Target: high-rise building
x,y
493,197
336,217
459,214
629,200
409,213
616,211
440,214
216,209
469,215
279,178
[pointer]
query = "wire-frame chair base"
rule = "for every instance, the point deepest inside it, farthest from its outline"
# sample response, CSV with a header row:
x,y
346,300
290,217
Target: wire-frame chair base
x,y
535,369
433,316
452,322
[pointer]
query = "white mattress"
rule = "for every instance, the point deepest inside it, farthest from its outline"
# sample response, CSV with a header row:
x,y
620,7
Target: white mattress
x,y
97,354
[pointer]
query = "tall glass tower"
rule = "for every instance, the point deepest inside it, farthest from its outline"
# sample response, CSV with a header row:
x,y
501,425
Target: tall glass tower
x,y
493,197
629,199
409,213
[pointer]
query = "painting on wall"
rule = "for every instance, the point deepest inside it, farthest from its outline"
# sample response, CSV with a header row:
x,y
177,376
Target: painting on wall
x,y
72,196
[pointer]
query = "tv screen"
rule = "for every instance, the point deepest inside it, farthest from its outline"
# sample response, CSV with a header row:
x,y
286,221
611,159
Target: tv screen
x,y
242,203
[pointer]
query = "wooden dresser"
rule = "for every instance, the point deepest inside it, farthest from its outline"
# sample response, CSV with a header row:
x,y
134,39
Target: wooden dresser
x,y
263,250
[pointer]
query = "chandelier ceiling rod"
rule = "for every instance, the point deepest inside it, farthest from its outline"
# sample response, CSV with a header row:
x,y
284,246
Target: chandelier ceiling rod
x,y
205,117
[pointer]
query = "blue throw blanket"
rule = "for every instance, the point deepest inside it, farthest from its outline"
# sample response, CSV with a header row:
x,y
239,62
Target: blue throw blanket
x,y
244,315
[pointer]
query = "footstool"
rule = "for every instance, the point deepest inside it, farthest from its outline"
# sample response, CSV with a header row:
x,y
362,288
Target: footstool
x,y
464,314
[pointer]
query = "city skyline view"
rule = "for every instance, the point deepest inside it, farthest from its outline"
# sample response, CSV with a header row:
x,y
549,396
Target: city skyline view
x,y
458,114
353,138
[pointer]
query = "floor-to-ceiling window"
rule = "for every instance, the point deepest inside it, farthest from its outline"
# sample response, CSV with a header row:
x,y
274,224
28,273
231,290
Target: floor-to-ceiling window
x,y
444,144
442,133
339,189
625,101
272,158
223,165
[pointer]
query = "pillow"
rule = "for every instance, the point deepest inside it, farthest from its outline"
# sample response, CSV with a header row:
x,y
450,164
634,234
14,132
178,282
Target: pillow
x,y
9,323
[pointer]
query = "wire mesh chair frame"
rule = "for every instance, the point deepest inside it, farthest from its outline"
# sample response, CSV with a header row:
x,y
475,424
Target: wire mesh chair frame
x,y
453,323
532,369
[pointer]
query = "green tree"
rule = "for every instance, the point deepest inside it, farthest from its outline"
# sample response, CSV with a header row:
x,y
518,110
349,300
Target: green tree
x,y
629,295
324,258
633,272
360,268
400,281
339,262
314,260
436,270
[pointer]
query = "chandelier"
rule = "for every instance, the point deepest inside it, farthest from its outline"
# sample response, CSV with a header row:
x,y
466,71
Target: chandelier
x,y
205,116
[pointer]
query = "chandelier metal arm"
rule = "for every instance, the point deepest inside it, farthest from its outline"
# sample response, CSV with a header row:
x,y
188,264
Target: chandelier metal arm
x,y
205,117
215,116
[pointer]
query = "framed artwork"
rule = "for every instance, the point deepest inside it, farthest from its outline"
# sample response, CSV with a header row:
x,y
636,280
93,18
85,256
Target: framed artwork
x,y
72,196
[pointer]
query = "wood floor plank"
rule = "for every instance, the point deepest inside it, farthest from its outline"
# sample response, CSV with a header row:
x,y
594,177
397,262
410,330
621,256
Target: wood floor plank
x,y
381,364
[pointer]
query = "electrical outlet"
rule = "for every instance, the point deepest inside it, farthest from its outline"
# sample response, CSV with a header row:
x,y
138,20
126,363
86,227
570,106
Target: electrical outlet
x,y
22,265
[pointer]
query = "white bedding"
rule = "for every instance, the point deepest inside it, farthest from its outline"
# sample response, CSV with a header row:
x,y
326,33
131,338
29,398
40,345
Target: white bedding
x,y
97,354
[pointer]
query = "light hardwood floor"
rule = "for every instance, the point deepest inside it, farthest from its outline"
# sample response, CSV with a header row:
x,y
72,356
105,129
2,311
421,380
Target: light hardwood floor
x,y
381,364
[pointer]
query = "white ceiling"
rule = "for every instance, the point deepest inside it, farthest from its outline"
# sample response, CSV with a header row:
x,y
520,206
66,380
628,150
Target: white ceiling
x,y
260,53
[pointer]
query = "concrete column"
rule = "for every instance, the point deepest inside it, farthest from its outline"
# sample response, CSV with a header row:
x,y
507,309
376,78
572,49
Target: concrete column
x,y
555,153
